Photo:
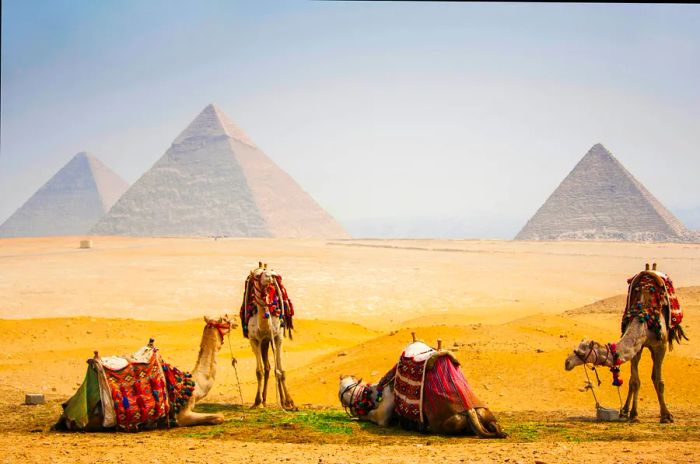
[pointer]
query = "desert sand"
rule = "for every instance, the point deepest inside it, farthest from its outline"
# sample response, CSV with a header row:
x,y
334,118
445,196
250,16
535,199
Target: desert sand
x,y
512,311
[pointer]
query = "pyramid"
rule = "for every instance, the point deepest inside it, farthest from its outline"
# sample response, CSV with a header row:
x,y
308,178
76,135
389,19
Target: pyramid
x,y
213,180
70,203
601,200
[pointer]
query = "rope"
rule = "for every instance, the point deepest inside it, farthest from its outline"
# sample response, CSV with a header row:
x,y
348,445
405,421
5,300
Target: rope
x,y
589,386
235,369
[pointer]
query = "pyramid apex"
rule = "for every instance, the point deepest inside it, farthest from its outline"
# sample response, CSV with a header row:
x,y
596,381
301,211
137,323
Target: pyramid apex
x,y
82,155
599,148
212,122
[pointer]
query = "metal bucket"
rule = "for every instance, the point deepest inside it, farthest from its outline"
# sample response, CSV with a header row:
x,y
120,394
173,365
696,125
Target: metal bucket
x,y
608,415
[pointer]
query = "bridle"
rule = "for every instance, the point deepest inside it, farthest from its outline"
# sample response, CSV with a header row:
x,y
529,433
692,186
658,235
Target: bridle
x,y
584,359
220,326
348,407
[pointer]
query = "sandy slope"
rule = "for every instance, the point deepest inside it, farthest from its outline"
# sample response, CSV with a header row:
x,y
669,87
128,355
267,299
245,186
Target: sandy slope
x,y
499,305
377,284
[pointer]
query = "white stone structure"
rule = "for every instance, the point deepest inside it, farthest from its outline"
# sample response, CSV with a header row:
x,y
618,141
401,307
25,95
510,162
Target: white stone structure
x,y
601,200
214,181
70,203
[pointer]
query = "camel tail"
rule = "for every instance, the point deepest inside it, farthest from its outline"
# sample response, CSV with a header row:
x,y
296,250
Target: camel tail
x,y
675,335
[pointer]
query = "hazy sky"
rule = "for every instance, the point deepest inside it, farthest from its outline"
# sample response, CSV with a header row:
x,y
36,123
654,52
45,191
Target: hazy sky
x,y
426,119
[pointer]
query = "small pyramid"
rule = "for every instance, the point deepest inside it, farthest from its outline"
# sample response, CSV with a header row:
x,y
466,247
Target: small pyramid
x,y
213,180
70,203
601,200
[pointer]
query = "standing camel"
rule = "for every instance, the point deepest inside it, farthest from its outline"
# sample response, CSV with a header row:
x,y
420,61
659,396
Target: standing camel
x,y
651,320
266,315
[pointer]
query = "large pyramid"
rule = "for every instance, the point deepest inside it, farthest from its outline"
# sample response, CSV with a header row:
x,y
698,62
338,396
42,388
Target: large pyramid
x,y
601,200
70,203
213,180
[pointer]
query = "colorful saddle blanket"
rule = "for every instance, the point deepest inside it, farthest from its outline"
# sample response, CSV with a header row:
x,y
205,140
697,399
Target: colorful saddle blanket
x,y
273,297
142,391
425,378
647,294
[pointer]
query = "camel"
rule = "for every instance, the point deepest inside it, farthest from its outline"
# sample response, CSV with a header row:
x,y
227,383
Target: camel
x,y
450,412
651,320
160,377
266,315
204,372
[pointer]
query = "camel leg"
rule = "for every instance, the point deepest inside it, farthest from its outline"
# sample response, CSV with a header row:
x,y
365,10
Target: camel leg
x,y
633,390
186,417
456,424
264,349
189,418
474,421
285,397
257,351
657,356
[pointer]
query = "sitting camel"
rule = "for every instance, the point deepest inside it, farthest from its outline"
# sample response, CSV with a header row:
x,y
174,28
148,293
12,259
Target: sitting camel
x,y
266,316
651,320
143,391
427,391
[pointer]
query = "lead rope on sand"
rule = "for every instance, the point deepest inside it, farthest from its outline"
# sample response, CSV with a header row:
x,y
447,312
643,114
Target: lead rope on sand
x,y
234,361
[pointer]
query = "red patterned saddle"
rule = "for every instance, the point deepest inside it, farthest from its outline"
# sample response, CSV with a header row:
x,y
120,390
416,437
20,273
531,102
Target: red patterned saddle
x,y
272,296
145,391
651,294
424,378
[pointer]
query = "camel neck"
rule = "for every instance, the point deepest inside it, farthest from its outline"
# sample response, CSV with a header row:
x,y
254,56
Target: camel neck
x,y
629,344
204,370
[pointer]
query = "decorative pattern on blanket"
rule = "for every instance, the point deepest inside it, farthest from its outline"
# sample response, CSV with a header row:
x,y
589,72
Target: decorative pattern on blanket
x,y
139,394
424,379
273,297
648,292
147,394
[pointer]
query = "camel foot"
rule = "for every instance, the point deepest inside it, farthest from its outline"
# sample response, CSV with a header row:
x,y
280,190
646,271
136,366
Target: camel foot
x,y
667,419
218,419
288,405
257,405
634,419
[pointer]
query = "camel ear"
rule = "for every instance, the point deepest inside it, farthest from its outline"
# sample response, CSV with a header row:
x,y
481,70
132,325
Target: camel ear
x,y
206,319
341,377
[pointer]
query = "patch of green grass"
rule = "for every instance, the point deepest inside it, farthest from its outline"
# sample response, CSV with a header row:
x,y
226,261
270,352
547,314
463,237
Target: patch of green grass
x,y
526,431
334,422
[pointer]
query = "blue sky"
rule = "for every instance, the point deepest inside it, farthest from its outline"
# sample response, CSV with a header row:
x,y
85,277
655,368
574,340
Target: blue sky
x,y
406,118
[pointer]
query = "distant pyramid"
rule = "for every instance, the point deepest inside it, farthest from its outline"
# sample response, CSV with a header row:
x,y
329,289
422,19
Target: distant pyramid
x,y
601,200
213,180
70,203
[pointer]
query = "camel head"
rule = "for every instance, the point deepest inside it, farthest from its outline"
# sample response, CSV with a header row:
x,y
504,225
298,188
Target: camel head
x,y
347,382
265,276
585,352
222,325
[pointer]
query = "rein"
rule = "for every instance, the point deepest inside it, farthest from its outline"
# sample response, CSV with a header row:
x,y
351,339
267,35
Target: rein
x,y
615,369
